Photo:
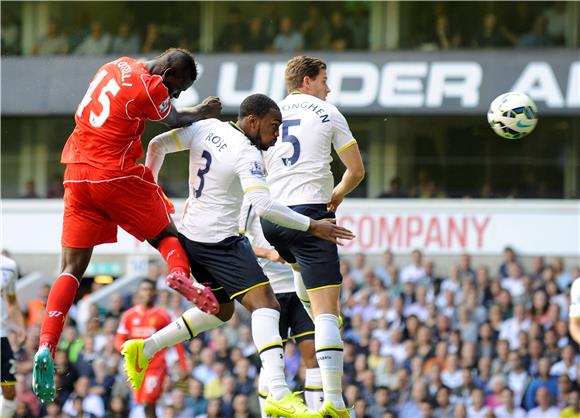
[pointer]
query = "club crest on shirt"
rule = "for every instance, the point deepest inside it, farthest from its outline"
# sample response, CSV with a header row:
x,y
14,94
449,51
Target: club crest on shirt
x,y
164,105
257,169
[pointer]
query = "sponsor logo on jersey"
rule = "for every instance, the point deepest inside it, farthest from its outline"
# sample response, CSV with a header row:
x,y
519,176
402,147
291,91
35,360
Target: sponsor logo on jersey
x,y
164,105
257,169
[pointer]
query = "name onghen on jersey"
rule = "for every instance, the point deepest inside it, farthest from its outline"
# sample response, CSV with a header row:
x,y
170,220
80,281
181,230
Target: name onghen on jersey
x,y
298,166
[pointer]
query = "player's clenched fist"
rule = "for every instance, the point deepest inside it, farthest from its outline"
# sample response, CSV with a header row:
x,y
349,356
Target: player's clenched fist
x,y
211,107
328,230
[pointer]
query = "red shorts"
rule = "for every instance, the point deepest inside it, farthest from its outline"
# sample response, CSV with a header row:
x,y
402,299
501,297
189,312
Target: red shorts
x,y
97,201
152,386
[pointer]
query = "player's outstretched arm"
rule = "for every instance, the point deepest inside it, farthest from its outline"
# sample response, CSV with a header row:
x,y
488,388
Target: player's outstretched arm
x,y
279,214
211,107
354,174
165,143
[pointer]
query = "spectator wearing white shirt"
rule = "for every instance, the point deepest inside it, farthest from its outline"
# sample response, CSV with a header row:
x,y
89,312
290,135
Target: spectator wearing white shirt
x,y
510,328
500,363
288,39
544,408
567,365
452,376
96,43
563,278
414,271
419,307
358,267
517,378
91,403
466,325
514,283
508,409
382,271
477,408
466,272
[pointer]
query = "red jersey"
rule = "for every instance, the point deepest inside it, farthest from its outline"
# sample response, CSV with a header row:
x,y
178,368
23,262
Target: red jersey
x,y
140,322
111,117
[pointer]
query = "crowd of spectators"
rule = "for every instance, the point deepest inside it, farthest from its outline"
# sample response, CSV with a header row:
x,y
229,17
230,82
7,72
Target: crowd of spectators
x,y
319,27
418,343
427,188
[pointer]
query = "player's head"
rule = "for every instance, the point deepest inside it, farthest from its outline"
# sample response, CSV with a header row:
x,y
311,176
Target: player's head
x,y
147,292
178,70
260,119
308,75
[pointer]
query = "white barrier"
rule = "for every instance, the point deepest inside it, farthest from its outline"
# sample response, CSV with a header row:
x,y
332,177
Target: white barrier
x,y
446,227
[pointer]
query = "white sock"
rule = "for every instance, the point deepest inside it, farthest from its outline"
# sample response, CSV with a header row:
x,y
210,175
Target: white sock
x,y
190,324
7,407
313,394
329,354
266,334
262,391
302,293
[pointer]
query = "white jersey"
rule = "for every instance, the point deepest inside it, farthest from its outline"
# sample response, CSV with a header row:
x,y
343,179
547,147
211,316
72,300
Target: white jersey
x,y
575,299
223,164
7,287
298,166
280,274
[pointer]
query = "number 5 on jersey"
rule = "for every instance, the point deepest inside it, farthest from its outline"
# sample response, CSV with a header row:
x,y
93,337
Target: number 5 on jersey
x,y
286,137
97,120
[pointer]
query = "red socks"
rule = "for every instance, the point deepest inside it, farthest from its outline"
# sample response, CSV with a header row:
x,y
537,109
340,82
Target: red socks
x,y
60,299
174,254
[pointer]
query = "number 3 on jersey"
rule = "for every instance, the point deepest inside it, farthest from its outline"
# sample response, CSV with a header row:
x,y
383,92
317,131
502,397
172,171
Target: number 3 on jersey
x,y
97,120
202,172
286,137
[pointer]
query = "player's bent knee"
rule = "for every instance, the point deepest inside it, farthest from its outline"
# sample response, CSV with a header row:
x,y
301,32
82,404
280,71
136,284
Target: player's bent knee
x,y
226,311
9,392
260,297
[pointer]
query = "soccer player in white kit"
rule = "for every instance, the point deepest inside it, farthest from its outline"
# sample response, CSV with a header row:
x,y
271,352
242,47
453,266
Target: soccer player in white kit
x,y
295,321
575,310
226,164
9,311
299,176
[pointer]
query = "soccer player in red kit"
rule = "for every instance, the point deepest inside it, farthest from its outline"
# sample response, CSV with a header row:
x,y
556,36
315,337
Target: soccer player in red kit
x,y
106,188
142,321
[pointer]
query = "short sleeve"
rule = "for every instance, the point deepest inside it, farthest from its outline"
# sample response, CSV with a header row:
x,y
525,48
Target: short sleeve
x,y
341,135
154,98
250,169
575,299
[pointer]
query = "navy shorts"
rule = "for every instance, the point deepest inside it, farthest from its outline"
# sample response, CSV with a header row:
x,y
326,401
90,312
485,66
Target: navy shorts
x,y
229,267
8,364
317,258
293,316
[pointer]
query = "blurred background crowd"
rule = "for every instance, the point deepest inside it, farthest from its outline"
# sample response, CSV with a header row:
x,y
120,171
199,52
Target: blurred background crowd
x,y
419,342
319,27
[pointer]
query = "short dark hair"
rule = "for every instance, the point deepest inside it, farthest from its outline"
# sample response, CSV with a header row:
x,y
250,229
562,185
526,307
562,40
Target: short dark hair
x,y
180,58
258,105
148,281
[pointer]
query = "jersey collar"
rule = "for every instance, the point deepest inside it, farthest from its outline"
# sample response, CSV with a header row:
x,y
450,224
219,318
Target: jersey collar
x,y
235,126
